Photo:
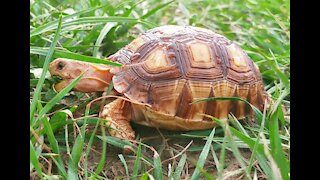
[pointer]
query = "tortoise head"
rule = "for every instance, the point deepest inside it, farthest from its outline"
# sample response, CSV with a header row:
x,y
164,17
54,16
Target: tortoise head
x,y
96,77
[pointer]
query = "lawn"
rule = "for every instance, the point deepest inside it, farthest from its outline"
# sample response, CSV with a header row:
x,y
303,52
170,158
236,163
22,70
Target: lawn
x,y
69,141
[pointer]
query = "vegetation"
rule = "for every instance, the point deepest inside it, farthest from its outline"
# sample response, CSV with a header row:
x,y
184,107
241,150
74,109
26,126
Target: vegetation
x,y
68,140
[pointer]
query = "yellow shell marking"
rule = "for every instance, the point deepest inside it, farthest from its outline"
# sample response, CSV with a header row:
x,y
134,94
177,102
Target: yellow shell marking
x,y
136,43
237,56
200,52
157,59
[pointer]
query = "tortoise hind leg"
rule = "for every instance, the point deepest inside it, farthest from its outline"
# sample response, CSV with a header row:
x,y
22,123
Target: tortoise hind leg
x,y
118,114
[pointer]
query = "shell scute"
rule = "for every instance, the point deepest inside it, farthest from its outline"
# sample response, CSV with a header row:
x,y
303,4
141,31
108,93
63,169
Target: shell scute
x,y
180,64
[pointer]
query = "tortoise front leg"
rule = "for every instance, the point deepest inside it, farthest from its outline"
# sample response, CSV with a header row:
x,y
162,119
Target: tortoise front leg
x,y
118,114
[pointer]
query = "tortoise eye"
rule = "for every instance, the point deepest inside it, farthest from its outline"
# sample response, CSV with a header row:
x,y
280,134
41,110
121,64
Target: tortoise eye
x,y
60,65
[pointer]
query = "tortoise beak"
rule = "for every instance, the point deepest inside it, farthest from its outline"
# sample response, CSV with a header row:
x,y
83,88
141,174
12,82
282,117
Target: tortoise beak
x,y
61,85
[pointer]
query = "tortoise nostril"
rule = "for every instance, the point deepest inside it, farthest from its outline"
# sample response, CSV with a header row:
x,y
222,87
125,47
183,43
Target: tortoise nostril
x,y
60,65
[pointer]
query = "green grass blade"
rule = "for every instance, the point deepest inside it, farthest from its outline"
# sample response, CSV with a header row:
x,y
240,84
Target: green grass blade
x,y
279,100
124,164
254,149
90,21
75,157
124,28
280,23
39,29
102,161
60,167
250,142
235,150
78,149
258,149
89,144
177,173
203,156
70,55
236,123
276,147
53,144
206,175
144,176
157,166
136,164
154,10
36,95
283,77
72,173
59,96
128,12
115,141
34,160
215,159
101,36
222,158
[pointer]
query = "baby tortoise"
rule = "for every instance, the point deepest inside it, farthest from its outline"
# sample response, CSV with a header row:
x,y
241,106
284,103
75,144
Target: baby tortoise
x,y
163,71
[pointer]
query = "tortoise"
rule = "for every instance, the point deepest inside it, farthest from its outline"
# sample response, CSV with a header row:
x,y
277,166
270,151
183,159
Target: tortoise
x,y
163,71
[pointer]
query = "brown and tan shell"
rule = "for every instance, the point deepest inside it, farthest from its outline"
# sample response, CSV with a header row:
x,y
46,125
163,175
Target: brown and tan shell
x,y
169,67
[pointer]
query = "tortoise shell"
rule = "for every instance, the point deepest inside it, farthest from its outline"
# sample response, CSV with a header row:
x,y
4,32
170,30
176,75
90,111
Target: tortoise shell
x,y
169,67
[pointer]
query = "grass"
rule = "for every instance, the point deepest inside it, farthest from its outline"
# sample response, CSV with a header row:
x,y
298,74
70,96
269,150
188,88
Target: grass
x,y
68,140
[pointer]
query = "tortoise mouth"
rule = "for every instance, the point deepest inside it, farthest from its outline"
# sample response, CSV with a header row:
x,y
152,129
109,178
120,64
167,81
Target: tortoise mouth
x,y
57,78
59,82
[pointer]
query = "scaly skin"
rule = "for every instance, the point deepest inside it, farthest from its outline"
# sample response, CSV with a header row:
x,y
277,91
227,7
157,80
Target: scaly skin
x,y
96,78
